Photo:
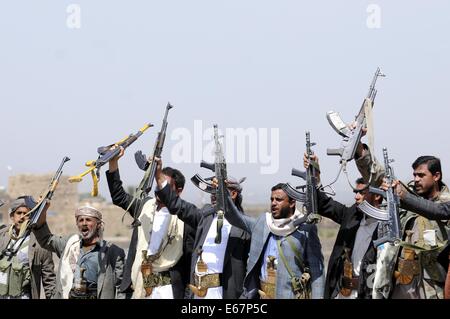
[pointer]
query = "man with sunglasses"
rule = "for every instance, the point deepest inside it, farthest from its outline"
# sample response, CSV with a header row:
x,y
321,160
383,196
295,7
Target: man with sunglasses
x,y
352,264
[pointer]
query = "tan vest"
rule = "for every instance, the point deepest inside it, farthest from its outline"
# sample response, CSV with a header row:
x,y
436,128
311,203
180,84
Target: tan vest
x,y
171,251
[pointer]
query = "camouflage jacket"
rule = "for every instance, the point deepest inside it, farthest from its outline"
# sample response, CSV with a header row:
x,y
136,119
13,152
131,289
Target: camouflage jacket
x,y
427,247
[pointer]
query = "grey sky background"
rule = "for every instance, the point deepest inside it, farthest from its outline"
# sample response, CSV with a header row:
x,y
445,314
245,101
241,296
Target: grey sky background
x,y
241,64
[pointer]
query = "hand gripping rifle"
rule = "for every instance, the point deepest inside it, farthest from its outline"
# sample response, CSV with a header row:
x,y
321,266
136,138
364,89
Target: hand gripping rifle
x,y
146,183
105,155
37,210
309,194
389,228
352,136
220,169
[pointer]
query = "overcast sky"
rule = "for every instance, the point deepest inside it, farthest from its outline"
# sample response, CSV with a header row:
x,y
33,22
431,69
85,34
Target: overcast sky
x,y
73,78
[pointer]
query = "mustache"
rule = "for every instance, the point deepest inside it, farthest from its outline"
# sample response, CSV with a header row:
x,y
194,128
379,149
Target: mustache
x,y
91,233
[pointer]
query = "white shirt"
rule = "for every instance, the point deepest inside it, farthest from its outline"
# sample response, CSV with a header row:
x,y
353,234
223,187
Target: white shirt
x,y
214,255
160,228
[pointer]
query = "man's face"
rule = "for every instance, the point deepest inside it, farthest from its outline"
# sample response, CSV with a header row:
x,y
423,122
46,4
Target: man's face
x,y
88,227
362,194
280,205
424,181
19,216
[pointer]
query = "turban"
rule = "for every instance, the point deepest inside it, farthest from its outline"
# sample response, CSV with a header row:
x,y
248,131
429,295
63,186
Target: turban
x,y
22,201
88,211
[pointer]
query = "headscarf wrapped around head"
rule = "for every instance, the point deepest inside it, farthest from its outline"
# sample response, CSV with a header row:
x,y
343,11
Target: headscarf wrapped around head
x,y
22,201
89,211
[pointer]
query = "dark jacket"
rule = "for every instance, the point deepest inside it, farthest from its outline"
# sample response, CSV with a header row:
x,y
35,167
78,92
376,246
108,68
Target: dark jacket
x,y
349,219
41,265
179,274
238,246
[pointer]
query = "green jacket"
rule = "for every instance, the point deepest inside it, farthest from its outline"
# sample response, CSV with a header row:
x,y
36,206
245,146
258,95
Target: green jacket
x,y
41,265
428,288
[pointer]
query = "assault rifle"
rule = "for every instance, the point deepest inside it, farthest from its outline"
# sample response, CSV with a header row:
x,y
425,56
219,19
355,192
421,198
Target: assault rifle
x,y
352,136
309,194
220,170
37,210
146,184
105,155
389,229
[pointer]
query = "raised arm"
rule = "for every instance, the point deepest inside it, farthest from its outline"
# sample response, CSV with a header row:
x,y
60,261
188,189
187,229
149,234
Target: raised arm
x,y
326,206
187,212
45,238
48,241
237,218
118,194
426,208
364,162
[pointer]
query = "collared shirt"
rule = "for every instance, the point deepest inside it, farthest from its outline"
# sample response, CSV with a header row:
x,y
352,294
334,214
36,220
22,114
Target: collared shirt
x,y
271,250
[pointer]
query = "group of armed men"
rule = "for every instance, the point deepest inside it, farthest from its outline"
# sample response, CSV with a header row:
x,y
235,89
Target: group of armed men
x,y
179,250
391,244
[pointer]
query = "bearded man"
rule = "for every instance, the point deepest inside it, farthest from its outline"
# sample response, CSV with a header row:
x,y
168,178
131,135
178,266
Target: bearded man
x,y
90,267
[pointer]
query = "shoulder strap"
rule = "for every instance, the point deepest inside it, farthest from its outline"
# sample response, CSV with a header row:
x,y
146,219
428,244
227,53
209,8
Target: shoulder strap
x,y
298,256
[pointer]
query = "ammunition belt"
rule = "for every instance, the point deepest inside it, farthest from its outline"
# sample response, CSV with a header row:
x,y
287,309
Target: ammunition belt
x,y
408,267
159,279
208,280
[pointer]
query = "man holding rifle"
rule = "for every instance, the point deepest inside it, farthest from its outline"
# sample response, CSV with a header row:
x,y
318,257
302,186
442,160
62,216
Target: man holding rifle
x,y
433,210
166,240
89,267
24,264
411,267
217,268
352,263
220,252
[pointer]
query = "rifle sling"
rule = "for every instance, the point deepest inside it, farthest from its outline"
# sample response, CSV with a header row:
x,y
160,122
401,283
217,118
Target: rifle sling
x,y
298,256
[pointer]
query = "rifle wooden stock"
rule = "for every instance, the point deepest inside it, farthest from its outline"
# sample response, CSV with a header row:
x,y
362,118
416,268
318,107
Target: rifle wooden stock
x,y
105,155
352,137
